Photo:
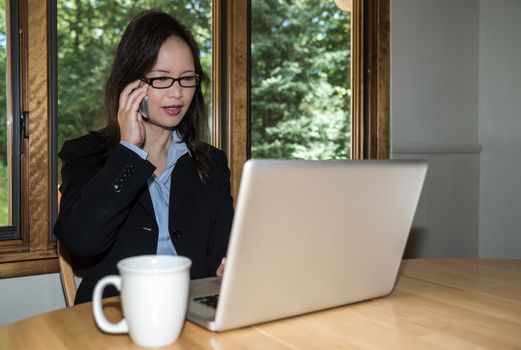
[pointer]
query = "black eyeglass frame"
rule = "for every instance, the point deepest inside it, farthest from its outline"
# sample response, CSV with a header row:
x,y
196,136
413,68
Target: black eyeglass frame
x,y
150,81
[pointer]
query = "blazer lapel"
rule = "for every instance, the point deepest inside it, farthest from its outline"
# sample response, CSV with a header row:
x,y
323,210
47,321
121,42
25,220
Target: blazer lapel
x,y
183,178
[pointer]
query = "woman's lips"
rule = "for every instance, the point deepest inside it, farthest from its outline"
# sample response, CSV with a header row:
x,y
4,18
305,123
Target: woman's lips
x,y
172,110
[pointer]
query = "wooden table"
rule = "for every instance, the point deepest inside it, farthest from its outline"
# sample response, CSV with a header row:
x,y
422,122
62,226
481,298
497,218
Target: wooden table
x,y
437,304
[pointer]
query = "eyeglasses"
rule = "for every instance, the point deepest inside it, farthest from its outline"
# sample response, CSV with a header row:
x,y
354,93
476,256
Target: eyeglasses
x,y
166,82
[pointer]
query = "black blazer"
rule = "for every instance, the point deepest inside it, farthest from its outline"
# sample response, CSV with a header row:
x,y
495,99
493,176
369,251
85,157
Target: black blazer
x,y
106,211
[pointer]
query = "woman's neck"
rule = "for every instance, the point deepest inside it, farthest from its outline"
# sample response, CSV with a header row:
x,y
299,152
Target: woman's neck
x,y
157,140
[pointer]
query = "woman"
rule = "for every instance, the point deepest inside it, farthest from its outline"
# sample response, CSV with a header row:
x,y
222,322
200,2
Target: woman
x,y
147,183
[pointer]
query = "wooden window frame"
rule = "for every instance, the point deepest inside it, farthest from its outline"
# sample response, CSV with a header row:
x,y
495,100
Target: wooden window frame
x,y
371,83
36,253
371,80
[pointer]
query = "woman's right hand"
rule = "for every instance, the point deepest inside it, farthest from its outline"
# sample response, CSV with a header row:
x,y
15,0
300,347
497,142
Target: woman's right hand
x,y
131,125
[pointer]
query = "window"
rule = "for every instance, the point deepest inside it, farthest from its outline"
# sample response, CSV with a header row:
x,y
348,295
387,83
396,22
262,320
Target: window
x,y
9,124
5,218
37,59
365,98
300,81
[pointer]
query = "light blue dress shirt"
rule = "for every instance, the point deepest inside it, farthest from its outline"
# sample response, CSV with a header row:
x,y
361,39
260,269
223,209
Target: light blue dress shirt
x,y
159,188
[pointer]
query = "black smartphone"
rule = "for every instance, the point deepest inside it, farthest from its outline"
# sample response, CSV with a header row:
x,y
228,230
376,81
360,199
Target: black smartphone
x,y
143,107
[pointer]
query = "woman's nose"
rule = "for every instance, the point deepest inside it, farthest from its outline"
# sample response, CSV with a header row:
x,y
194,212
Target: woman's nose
x,y
175,90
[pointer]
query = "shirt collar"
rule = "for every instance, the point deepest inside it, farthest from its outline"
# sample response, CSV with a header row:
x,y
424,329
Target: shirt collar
x,y
176,150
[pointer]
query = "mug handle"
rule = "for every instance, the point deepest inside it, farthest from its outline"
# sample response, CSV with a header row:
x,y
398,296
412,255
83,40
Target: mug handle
x,y
97,307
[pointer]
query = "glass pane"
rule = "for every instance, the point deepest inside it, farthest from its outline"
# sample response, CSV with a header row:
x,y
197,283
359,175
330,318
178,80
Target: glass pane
x,y
88,33
5,218
300,79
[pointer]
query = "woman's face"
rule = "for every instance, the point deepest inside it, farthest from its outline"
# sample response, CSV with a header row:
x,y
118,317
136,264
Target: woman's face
x,y
167,107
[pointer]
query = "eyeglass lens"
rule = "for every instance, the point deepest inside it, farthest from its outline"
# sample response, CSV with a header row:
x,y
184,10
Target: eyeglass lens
x,y
166,82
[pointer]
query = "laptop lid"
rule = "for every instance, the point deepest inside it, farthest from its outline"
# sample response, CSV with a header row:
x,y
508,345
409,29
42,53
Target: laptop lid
x,y
311,235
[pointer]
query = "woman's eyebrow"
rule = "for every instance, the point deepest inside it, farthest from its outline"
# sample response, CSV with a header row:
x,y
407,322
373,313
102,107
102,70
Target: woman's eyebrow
x,y
168,72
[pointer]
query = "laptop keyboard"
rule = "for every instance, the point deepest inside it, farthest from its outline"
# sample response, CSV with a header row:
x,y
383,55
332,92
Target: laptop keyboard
x,y
208,300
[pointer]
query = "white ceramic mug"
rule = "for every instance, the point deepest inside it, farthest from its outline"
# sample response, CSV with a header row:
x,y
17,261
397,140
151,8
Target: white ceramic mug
x,y
154,297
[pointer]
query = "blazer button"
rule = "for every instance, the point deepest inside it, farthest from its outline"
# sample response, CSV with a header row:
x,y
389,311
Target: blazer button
x,y
177,234
117,188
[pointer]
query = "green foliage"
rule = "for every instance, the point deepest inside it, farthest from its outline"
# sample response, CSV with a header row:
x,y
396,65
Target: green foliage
x,y
4,196
3,81
300,80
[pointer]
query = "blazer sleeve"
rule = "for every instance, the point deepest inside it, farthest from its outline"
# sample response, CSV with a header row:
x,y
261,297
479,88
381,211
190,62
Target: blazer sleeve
x,y
96,200
221,227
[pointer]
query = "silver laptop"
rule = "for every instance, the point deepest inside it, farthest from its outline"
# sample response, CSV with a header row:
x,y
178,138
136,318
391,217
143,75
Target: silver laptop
x,y
310,235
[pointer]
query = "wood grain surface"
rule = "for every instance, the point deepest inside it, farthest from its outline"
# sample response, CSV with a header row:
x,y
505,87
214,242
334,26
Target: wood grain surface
x,y
436,304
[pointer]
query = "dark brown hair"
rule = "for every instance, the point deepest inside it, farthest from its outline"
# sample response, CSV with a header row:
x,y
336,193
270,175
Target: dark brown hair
x,y
135,56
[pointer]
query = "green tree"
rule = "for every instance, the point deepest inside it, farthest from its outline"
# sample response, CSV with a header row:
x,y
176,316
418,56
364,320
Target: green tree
x,y
300,86
4,180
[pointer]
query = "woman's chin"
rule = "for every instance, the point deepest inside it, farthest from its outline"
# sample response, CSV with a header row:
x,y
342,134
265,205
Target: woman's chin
x,y
164,122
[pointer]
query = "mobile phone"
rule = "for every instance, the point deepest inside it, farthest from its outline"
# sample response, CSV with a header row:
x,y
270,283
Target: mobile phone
x,y
143,107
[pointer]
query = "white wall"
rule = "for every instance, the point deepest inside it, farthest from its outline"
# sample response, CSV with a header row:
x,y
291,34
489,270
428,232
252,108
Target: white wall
x,y
434,115
23,297
456,100
434,71
500,128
